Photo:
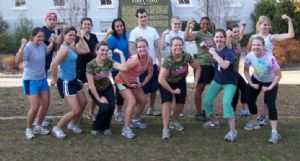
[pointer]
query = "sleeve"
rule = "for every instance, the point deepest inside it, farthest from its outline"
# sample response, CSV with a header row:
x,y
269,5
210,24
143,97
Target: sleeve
x,y
111,43
274,64
156,35
247,61
45,49
167,63
132,36
26,52
167,40
229,56
89,68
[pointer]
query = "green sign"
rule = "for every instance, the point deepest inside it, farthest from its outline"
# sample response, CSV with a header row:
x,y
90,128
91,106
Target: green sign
x,y
159,13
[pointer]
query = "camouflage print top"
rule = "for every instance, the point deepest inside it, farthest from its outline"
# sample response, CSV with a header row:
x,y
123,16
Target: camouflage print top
x,y
203,56
237,50
100,73
178,70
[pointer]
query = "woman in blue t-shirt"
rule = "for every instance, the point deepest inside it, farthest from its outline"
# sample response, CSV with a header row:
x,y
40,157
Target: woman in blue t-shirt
x,y
226,79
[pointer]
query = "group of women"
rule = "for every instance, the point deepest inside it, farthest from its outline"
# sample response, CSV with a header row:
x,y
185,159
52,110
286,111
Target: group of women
x,y
216,64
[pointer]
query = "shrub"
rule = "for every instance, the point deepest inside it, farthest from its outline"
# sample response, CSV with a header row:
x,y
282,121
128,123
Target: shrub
x,y
7,44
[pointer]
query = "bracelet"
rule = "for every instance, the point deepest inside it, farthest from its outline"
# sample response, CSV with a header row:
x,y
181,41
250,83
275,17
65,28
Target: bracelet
x,y
20,51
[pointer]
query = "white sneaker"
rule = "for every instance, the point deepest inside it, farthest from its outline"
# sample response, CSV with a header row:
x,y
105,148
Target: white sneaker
x,y
58,132
152,112
176,125
29,134
127,133
45,123
119,117
40,130
165,134
231,136
74,128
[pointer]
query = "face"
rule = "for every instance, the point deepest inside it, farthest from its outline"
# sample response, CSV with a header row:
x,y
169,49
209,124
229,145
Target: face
x,y
102,52
86,25
176,47
38,38
119,27
142,19
219,39
235,32
142,48
176,24
70,37
204,25
265,27
257,46
51,21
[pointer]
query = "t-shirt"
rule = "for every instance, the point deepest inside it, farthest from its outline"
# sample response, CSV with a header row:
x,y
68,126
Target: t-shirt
x,y
68,65
49,56
237,50
34,61
132,75
225,76
178,70
150,34
203,56
172,34
264,67
120,43
100,73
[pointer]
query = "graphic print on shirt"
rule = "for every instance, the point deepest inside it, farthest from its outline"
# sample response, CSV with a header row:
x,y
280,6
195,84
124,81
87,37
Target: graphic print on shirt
x,y
180,71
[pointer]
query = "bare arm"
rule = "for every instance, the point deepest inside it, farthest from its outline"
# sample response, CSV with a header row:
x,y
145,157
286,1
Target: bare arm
x,y
105,37
120,66
163,43
82,47
285,36
132,48
242,30
197,74
223,63
162,79
19,55
188,36
248,47
150,72
157,51
228,39
62,54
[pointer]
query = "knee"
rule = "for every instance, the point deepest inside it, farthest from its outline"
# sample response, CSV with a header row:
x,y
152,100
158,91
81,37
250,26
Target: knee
x,y
227,104
131,102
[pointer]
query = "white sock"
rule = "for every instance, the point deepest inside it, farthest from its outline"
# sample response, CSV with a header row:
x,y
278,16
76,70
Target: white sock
x,y
274,131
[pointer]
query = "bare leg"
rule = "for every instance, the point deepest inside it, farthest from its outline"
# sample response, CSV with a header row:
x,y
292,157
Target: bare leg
x,y
165,110
198,97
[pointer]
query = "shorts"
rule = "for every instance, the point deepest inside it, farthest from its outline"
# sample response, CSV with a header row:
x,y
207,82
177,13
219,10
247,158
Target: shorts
x,y
152,85
68,88
124,86
207,74
167,96
34,87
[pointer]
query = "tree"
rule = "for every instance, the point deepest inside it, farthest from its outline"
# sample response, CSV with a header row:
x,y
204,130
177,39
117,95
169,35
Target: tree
x,y
3,24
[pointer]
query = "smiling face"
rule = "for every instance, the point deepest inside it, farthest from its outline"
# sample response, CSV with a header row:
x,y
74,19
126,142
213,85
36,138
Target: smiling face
x,y
176,47
38,38
119,27
51,21
142,48
257,46
142,19
102,52
219,39
265,26
204,25
235,32
176,25
70,37
87,26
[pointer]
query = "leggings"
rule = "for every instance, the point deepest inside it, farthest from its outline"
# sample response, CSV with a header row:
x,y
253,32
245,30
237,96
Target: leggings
x,y
120,100
212,92
269,98
241,86
106,110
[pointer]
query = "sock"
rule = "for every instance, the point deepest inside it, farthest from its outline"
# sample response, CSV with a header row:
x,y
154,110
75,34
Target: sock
x,y
274,131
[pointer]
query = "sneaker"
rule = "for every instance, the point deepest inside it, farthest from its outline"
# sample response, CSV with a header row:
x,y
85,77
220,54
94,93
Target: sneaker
x,y
245,112
151,112
274,139
58,132
262,121
231,136
107,132
201,116
251,125
94,132
40,130
138,123
165,134
92,116
181,114
74,128
127,133
211,124
176,125
119,117
29,134
45,123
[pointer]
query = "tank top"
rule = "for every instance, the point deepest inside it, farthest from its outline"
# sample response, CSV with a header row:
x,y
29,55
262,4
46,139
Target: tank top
x,y
68,65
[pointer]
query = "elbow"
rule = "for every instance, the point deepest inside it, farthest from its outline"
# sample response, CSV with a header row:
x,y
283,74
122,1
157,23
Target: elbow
x,y
160,81
123,68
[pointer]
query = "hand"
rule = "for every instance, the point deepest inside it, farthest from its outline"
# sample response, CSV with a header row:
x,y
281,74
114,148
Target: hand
x,y
52,38
228,33
191,20
265,89
243,23
166,32
158,66
133,85
53,82
212,51
176,91
255,86
103,99
285,17
82,33
118,51
140,84
109,31
23,41
194,85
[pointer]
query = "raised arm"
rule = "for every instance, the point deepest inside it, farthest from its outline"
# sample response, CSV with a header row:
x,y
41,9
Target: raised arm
x,y
82,47
248,47
163,43
228,39
188,36
105,37
224,64
285,36
120,66
242,30
19,55
62,54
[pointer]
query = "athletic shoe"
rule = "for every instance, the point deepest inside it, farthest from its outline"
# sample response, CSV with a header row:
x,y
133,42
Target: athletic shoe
x,y
40,130
58,132
45,123
165,134
181,114
201,116
107,132
274,139
176,125
231,136
245,112
92,116
151,112
119,117
211,124
94,132
29,134
127,133
74,128
251,125
138,123
262,121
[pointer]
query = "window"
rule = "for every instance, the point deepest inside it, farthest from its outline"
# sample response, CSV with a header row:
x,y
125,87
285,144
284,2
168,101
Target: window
x,y
59,2
106,2
233,3
184,1
20,3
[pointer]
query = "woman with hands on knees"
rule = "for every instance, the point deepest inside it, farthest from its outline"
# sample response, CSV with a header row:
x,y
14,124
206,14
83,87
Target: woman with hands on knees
x,y
172,80
68,86
225,79
265,78
100,87
131,89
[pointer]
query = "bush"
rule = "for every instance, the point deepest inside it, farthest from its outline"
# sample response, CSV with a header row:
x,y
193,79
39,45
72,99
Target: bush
x,y
7,44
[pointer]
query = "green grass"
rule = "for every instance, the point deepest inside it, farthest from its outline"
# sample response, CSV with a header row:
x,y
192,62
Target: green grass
x,y
194,143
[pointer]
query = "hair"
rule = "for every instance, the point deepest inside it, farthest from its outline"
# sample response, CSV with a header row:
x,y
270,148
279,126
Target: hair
x,y
68,29
232,26
99,45
140,10
86,19
176,38
260,39
175,18
141,39
35,31
51,14
204,18
222,31
114,29
260,20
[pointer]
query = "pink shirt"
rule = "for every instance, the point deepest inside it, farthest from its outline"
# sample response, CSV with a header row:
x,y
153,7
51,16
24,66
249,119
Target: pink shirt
x,y
133,73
